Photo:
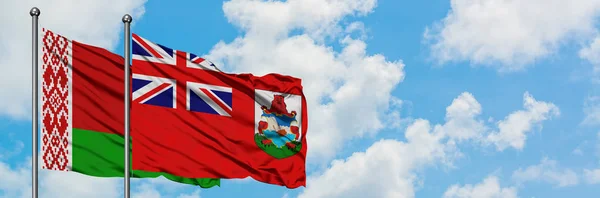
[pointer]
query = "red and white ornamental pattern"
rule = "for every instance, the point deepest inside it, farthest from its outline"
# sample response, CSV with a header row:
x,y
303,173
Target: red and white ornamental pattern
x,y
56,100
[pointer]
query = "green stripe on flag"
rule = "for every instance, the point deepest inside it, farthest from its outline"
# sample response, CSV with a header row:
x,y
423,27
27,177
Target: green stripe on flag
x,y
101,155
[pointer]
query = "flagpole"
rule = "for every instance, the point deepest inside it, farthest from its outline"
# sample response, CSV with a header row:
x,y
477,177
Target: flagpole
x,y
35,13
127,39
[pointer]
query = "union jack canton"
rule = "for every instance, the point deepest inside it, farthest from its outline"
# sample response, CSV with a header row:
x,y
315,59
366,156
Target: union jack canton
x,y
162,91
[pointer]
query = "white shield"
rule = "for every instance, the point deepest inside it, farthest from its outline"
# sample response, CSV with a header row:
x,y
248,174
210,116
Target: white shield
x,y
292,101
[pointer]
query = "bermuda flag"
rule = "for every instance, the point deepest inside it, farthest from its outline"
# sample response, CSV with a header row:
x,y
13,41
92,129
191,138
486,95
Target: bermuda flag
x,y
82,108
193,121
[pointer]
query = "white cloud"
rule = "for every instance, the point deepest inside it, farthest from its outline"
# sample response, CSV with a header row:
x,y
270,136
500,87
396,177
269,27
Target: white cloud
x,y
358,27
13,183
510,32
275,18
398,114
592,176
514,128
588,146
591,109
75,185
337,84
578,151
591,53
18,147
461,123
16,183
384,170
76,20
162,187
195,194
547,171
489,188
387,168
597,151
146,191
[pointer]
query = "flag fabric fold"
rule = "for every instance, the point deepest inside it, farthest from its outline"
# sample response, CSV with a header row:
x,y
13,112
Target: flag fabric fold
x,y
82,111
193,121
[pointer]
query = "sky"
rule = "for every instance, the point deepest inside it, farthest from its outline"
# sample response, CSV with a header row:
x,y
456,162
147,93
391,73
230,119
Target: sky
x,y
431,98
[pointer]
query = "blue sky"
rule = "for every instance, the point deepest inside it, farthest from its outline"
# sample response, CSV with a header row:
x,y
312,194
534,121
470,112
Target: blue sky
x,y
408,99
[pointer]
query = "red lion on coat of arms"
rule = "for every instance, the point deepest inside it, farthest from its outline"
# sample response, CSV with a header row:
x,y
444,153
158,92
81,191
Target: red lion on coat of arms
x,y
277,125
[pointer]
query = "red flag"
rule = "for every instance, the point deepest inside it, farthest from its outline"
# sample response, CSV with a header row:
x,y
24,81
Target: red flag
x,y
193,121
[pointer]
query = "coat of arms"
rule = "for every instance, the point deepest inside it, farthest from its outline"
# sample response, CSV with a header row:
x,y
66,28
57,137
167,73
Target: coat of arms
x,y
278,129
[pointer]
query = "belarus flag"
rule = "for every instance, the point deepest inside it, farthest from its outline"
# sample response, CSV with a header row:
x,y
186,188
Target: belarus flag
x,y
190,120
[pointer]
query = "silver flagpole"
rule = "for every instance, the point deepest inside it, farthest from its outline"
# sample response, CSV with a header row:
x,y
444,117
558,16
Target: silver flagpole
x,y
127,39
35,13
